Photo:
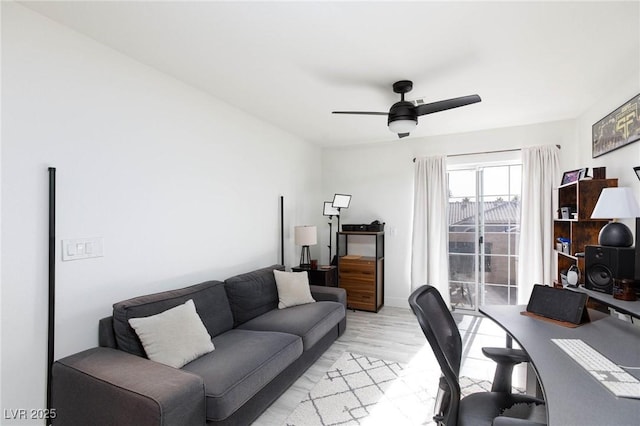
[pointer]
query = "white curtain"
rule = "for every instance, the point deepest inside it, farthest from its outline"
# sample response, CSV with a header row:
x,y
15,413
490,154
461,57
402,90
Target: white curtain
x,y
429,251
540,175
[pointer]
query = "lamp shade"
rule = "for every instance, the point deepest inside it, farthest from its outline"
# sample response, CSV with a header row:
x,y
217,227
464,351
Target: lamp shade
x,y
402,126
305,235
616,203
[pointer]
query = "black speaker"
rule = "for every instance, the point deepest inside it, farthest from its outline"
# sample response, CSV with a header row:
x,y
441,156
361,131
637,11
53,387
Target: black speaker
x,y
603,264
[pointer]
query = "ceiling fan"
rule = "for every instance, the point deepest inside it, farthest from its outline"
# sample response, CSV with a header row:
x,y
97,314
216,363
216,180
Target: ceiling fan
x,y
403,115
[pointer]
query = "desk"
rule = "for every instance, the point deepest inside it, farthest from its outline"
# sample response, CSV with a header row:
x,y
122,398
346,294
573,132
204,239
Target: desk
x,y
624,306
573,397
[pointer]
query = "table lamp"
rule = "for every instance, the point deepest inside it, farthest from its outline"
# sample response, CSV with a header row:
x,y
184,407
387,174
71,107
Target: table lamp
x,y
305,236
616,203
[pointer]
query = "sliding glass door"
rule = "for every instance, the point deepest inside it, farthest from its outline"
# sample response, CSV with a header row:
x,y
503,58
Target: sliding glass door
x,y
484,231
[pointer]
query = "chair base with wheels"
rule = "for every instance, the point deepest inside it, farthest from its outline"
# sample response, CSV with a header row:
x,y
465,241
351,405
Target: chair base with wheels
x,y
499,407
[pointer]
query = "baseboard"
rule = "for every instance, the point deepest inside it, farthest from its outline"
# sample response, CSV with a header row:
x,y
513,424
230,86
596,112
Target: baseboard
x,y
397,302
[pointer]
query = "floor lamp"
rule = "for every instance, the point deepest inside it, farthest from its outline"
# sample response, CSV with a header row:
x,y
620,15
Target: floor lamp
x,y
330,211
340,201
52,280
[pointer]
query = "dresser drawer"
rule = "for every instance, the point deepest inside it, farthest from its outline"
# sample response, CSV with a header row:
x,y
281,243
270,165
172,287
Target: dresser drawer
x,y
357,286
358,266
358,271
360,294
368,279
360,299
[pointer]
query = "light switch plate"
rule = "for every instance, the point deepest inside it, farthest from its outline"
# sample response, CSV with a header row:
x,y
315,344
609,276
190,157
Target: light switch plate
x,y
82,248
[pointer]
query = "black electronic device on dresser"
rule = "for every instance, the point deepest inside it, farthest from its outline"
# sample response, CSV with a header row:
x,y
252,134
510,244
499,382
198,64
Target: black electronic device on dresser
x,y
604,264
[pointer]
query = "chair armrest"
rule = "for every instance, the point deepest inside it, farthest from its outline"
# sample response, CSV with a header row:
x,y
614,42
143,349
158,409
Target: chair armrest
x,y
506,359
333,294
505,355
104,386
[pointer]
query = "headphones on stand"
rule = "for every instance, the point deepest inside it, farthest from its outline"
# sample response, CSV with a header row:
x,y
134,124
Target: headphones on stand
x,y
573,276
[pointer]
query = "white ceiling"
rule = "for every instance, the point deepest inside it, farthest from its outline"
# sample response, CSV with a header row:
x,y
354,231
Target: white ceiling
x,y
292,63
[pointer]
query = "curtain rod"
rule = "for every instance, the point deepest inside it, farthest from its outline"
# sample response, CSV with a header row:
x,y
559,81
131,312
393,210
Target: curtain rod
x,y
486,152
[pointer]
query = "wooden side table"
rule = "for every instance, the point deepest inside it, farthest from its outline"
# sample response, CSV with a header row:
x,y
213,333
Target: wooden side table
x,y
325,275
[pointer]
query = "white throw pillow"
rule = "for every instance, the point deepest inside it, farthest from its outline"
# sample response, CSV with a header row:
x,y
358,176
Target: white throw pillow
x,y
174,337
293,288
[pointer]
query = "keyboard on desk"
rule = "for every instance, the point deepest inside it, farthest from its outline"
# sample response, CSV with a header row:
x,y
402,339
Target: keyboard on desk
x,y
610,375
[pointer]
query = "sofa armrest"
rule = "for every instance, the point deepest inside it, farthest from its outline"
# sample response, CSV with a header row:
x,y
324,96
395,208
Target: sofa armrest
x,y
333,294
104,386
106,336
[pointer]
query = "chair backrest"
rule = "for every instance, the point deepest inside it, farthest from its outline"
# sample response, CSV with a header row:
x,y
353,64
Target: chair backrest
x,y
443,335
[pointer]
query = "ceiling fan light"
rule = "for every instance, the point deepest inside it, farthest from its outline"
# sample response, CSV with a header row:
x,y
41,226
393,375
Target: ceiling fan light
x,y
402,126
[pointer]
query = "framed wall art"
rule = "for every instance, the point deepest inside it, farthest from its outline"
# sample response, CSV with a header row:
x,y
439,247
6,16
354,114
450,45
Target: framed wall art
x,y
619,128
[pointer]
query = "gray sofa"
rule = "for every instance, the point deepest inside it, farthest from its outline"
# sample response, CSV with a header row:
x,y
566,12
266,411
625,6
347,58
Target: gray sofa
x,y
260,351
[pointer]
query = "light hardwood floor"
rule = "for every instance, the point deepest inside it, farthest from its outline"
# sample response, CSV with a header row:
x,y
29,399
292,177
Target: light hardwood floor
x,y
394,334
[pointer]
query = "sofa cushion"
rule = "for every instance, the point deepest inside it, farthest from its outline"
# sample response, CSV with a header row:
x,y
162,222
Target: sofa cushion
x,y
209,298
173,337
311,321
293,288
243,363
252,294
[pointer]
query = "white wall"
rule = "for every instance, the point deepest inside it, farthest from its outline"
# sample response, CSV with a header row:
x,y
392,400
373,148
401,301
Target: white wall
x,y
619,163
380,178
183,188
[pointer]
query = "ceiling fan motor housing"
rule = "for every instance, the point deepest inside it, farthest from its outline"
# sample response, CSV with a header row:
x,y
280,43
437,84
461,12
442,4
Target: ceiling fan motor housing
x,y
402,110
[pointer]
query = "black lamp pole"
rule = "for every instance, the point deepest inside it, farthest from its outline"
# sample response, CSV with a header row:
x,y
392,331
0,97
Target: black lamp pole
x,y
330,237
52,278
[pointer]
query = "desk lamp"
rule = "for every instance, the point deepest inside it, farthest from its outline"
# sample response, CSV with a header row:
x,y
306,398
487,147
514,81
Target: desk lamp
x,y
616,203
305,236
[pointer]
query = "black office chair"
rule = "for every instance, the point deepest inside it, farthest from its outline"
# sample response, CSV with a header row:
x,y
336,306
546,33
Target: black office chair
x,y
498,407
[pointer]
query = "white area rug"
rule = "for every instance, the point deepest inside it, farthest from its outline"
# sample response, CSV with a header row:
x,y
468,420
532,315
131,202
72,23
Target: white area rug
x,y
360,390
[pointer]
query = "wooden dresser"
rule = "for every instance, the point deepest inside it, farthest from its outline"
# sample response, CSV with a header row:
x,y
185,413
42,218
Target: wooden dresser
x,y
362,276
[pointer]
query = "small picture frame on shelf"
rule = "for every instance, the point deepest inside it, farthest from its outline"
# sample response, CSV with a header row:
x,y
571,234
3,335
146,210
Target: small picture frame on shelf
x,y
573,176
583,174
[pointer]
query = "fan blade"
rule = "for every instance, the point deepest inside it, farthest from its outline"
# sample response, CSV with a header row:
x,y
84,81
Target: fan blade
x,y
403,135
360,112
446,104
